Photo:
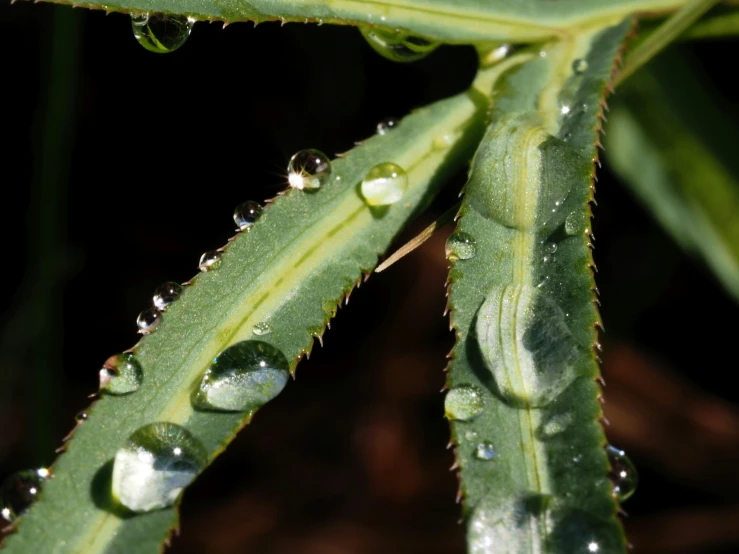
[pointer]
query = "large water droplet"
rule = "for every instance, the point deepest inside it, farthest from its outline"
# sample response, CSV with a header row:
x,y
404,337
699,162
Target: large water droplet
x,y
167,293
121,374
161,33
623,473
463,403
527,345
148,321
210,260
262,328
579,66
19,490
246,214
308,170
243,377
386,125
509,525
384,184
156,463
485,451
460,246
398,46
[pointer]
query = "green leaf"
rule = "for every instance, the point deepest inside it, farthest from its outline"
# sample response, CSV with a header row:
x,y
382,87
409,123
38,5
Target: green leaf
x,y
669,141
290,270
456,21
522,397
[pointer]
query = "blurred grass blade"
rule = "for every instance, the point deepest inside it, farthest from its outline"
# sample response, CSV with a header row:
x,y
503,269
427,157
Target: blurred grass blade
x,y
721,22
668,139
522,397
664,35
280,282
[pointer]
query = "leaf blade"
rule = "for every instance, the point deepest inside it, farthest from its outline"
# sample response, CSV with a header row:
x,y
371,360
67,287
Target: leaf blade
x,y
525,322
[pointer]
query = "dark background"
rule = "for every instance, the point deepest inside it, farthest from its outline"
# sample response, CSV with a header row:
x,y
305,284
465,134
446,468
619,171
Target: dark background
x,y
118,167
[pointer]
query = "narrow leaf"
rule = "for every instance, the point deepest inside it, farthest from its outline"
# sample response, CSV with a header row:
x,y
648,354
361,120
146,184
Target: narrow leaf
x,y
522,396
279,282
672,146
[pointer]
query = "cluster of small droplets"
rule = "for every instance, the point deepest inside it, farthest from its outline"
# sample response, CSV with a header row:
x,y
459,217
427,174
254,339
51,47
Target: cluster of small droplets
x,y
19,491
163,296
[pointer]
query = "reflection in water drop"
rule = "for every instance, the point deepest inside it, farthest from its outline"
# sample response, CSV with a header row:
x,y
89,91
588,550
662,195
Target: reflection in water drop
x,y
210,260
166,294
384,184
397,46
623,474
246,214
148,321
121,374
157,462
308,170
161,33
19,491
243,377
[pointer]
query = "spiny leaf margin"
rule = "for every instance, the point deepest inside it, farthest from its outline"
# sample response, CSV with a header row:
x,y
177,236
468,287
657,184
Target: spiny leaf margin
x,y
546,489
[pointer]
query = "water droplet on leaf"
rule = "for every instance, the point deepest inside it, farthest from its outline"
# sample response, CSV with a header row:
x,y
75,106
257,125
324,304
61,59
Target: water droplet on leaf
x,y
623,473
148,321
386,125
156,463
210,260
485,451
161,33
308,170
246,214
167,293
579,66
81,416
243,377
463,403
527,345
19,490
384,184
576,223
262,328
554,425
460,246
121,374
398,46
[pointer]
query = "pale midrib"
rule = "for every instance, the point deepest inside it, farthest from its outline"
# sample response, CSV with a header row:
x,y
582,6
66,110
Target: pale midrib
x,y
104,525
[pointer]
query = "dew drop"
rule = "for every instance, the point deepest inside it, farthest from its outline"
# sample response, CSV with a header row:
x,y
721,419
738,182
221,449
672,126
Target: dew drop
x,y
443,141
386,125
166,294
384,184
485,451
262,328
81,416
579,66
623,473
470,435
552,248
460,246
19,490
243,377
398,46
576,222
527,344
161,33
210,260
246,214
121,374
463,403
554,425
156,463
308,170
148,321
